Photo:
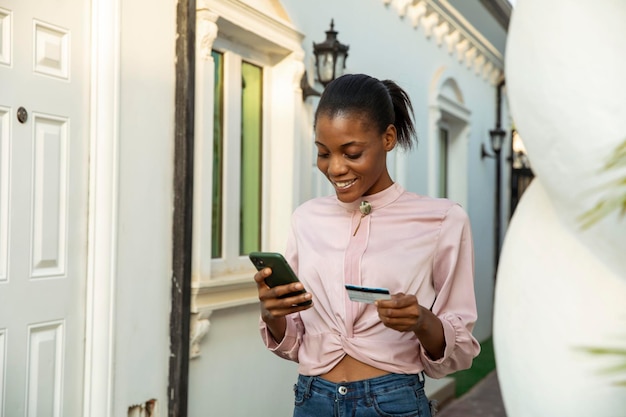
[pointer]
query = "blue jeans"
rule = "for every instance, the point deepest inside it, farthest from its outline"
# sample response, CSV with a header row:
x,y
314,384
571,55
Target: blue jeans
x,y
391,395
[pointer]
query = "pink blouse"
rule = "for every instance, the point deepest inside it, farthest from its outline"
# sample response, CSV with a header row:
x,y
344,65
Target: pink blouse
x,y
408,243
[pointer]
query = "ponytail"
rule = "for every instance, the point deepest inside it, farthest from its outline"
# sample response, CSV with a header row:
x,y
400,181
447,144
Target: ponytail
x,y
403,111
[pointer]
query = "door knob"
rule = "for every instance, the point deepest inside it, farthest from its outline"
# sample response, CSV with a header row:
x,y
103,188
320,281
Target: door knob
x,y
22,115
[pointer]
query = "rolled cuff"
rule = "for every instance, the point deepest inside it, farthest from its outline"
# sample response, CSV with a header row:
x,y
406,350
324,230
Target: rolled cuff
x,y
461,349
286,348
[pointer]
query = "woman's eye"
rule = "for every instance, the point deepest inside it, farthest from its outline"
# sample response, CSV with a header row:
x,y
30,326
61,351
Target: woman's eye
x,y
353,156
322,155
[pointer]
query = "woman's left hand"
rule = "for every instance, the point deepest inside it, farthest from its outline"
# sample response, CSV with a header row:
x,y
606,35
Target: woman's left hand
x,y
402,312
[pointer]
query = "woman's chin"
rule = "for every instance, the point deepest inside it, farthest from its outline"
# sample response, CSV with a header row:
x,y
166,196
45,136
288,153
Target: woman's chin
x,y
346,198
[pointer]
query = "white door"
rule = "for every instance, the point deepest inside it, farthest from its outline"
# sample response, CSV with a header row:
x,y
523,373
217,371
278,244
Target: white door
x,y
44,137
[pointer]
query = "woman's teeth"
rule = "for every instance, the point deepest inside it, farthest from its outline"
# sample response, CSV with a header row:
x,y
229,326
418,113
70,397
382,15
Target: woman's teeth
x,y
344,184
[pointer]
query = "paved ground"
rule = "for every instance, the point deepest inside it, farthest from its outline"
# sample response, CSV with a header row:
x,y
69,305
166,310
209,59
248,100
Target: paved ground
x,y
483,400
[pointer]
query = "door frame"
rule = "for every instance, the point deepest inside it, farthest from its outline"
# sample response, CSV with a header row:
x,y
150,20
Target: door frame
x,y
103,207
182,224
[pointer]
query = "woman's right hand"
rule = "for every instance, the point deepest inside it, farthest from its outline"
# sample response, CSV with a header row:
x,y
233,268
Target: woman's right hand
x,y
273,308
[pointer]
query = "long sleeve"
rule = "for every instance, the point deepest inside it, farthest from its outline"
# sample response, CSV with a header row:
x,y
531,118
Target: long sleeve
x,y
455,306
289,346
408,243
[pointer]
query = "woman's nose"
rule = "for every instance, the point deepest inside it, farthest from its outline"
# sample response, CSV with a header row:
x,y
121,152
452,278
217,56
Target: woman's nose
x,y
337,166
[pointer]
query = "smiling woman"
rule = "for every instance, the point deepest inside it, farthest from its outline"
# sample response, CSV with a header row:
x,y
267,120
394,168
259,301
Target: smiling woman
x,y
371,233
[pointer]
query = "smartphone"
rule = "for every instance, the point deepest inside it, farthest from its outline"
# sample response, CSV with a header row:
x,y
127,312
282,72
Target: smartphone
x,y
281,271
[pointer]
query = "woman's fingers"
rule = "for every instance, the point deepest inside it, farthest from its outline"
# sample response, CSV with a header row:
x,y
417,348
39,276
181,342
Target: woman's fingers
x,y
281,300
401,312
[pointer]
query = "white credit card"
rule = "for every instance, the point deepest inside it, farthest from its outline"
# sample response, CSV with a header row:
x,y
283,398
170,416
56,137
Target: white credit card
x,y
367,294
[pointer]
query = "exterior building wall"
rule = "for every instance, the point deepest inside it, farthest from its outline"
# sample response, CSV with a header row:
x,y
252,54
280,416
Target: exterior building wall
x,y
145,199
233,375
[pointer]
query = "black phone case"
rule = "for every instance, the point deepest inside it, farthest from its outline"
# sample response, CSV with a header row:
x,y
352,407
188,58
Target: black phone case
x,y
281,271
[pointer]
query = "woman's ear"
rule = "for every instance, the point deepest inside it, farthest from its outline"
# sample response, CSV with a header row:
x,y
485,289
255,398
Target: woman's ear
x,y
390,137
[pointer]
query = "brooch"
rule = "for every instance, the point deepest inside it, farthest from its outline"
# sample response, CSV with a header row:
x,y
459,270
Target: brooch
x,y
365,208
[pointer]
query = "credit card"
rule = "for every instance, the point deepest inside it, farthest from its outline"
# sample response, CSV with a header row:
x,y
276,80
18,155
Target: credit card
x,y
367,294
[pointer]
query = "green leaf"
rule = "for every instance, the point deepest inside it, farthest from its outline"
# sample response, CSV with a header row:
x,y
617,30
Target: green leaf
x,y
620,368
616,198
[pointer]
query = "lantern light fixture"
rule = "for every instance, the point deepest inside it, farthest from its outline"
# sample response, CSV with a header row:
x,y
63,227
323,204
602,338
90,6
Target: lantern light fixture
x,y
496,136
330,61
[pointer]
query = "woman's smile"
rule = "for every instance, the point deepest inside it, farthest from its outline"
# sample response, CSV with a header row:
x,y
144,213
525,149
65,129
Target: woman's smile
x,y
342,185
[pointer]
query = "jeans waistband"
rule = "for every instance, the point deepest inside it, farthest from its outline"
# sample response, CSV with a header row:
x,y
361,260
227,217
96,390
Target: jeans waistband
x,y
358,389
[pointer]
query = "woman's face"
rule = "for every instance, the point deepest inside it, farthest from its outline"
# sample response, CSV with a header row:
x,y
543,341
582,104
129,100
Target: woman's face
x,y
353,155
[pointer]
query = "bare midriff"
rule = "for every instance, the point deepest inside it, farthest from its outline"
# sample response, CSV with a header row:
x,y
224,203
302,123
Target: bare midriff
x,y
350,369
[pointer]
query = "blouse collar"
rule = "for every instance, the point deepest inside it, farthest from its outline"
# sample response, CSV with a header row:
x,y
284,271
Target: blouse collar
x,y
378,200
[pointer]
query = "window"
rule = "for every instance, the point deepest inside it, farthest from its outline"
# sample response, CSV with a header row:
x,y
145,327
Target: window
x,y
247,135
251,135
237,159
218,157
449,135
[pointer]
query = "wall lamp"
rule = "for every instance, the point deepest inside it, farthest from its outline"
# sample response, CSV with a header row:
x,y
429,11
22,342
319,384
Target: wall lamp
x,y
497,138
330,62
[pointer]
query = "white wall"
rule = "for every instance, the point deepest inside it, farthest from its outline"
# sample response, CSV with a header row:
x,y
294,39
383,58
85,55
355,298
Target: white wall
x,y
146,121
236,376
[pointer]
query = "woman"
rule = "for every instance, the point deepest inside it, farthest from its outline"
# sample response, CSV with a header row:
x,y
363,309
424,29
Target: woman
x,y
362,359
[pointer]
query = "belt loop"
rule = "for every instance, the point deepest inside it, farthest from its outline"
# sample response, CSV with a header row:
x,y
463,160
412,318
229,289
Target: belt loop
x,y
421,378
369,397
307,381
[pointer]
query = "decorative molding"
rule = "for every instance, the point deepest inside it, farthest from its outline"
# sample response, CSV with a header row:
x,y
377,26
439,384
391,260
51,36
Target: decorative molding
x,y
5,162
479,63
461,48
440,32
199,328
6,36
470,55
467,30
453,107
429,23
401,6
416,12
448,27
52,50
278,32
451,40
487,69
216,294
206,30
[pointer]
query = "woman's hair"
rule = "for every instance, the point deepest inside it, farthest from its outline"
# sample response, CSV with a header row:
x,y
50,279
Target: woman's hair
x,y
379,102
